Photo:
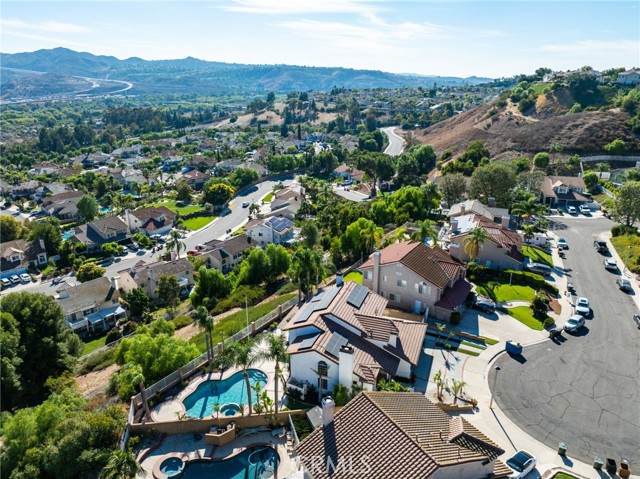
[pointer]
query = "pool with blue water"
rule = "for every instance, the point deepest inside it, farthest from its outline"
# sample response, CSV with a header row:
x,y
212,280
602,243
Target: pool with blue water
x,y
258,462
200,403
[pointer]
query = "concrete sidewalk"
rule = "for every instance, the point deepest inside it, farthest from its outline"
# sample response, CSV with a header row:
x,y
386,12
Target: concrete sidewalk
x,y
474,371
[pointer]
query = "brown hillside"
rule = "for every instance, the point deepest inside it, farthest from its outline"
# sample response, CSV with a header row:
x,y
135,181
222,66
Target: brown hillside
x,y
506,131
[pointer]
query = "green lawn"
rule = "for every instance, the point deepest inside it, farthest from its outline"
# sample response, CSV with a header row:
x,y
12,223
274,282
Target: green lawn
x,y
193,224
524,315
539,87
230,325
183,210
93,345
503,292
354,276
269,197
537,255
562,475
622,244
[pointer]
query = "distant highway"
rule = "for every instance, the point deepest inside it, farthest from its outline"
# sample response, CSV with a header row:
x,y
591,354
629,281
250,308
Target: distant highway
x,y
396,143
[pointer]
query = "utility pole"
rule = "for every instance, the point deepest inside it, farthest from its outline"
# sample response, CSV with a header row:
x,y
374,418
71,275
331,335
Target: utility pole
x,y
495,379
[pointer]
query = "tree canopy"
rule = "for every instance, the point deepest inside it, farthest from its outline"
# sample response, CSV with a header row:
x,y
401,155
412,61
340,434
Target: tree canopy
x,y
495,180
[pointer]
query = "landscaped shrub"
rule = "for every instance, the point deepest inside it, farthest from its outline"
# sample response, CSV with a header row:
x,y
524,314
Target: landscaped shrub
x,y
254,294
112,336
180,322
540,306
455,317
547,323
621,230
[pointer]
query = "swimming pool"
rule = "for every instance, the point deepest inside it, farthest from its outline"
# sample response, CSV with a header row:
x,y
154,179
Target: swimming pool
x,y
231,390
258,462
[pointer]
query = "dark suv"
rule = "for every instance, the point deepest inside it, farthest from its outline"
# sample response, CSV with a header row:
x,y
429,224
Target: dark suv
x,y
601,246
484,304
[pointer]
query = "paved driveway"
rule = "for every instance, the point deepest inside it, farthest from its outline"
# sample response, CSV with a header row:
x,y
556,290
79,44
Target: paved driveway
x,y
584,391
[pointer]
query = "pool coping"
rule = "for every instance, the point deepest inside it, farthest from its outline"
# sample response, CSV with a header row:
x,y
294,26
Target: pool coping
x,y
193,385
184,457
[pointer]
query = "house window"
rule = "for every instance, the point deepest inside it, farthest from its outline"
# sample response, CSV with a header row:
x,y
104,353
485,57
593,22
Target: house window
x,y
259,234
401,283
15,257
394,297
323,368
384,278
423,288
323,383
367,275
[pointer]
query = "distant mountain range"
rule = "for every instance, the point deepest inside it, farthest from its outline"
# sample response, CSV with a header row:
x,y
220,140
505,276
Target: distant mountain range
x,y
191,75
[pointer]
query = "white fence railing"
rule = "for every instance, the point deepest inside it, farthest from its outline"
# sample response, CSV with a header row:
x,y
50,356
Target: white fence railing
x,y
195,364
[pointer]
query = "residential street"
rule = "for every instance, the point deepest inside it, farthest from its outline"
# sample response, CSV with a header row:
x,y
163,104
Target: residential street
x,y
584,390
396,143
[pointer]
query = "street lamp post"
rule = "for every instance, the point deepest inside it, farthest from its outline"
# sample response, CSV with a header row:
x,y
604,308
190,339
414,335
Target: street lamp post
x,y
495,379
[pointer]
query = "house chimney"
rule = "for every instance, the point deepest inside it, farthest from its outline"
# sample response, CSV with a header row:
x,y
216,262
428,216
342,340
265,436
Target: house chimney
x,y
393,340
339,279
376,272
491,201
463,209
114,282
345,366
42,245
504,221
328,407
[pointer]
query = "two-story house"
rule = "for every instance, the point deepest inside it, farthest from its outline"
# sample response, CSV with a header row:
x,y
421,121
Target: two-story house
x,y
147,275
93,304
397,435
105,230
501,248
19,255
629,77
349,173
150,220
287,201
563,191
275,229
195,179
225,255
417,278
342,337
63,206
25,189
491,212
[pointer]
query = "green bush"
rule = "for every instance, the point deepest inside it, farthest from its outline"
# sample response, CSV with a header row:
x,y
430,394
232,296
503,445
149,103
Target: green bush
x,y
534,280
455,317
180,322
547,323
289,287
254,294
97,361
112,336
621,230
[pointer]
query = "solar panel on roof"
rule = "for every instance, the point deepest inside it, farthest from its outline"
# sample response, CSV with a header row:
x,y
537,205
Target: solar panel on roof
x,y
318,303
335,343
308,342
357,296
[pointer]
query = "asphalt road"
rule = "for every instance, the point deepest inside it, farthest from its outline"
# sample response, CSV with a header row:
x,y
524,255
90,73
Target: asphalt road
x,y
396,143
585,390
217,229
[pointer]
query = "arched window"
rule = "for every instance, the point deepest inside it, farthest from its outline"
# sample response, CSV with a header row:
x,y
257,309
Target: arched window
x,y
323,368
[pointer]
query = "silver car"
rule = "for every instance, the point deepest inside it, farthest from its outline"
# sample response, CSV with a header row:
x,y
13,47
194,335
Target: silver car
x,y
582,306
574,323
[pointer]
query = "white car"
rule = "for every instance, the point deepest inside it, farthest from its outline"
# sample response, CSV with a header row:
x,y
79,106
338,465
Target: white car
x,y
522,464
585,210
582,306
571,210
611,264
574,323
562,243
5,283
25,278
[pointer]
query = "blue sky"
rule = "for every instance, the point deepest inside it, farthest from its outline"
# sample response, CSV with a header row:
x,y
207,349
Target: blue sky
x,y
454,38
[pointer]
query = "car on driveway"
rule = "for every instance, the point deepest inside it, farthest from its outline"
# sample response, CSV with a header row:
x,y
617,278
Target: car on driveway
x,y
572,210
582,306
539,268
133,247
574,323
6,283
25,278
611,264
585,210
15,279
484,304
562,243
522,464
624,285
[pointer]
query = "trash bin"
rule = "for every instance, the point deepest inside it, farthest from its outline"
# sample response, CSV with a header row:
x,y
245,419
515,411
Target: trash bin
x,y
598,462
624,470
562,449
611,465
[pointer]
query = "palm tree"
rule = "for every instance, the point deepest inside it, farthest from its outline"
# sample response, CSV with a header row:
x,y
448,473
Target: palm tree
x,y
427,230
473,242
527,208
121,465
397,236
305,263
205,322
371,235
243,356
456,389
528,230
175,244
274,348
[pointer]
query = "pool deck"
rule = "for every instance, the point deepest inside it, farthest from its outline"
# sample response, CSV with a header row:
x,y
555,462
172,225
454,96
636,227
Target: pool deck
x,y
170,409
192,449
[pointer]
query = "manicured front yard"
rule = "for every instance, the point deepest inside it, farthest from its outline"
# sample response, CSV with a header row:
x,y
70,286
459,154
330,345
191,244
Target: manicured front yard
x,y
193,224
537,255
93,345
269,197
183,210
354,276
524,315
622,243
502,293
562,475
230,325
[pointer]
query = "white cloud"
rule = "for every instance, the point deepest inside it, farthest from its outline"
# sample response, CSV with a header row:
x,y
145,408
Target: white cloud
x,y
593,47
295,7
49,27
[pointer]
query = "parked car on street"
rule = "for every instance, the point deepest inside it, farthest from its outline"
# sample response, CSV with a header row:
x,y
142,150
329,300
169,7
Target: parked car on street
x,y
582,306
25,278
585,210
611,264
522,464
624,285
245,204
484,304
601,246
574,323
562,243
133,247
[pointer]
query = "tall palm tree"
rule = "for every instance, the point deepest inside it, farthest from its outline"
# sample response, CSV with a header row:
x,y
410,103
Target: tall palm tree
x,y
305,263
427,230
243,356
121,465
371,235
174,243
274,348
205,322
527,208
473,242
